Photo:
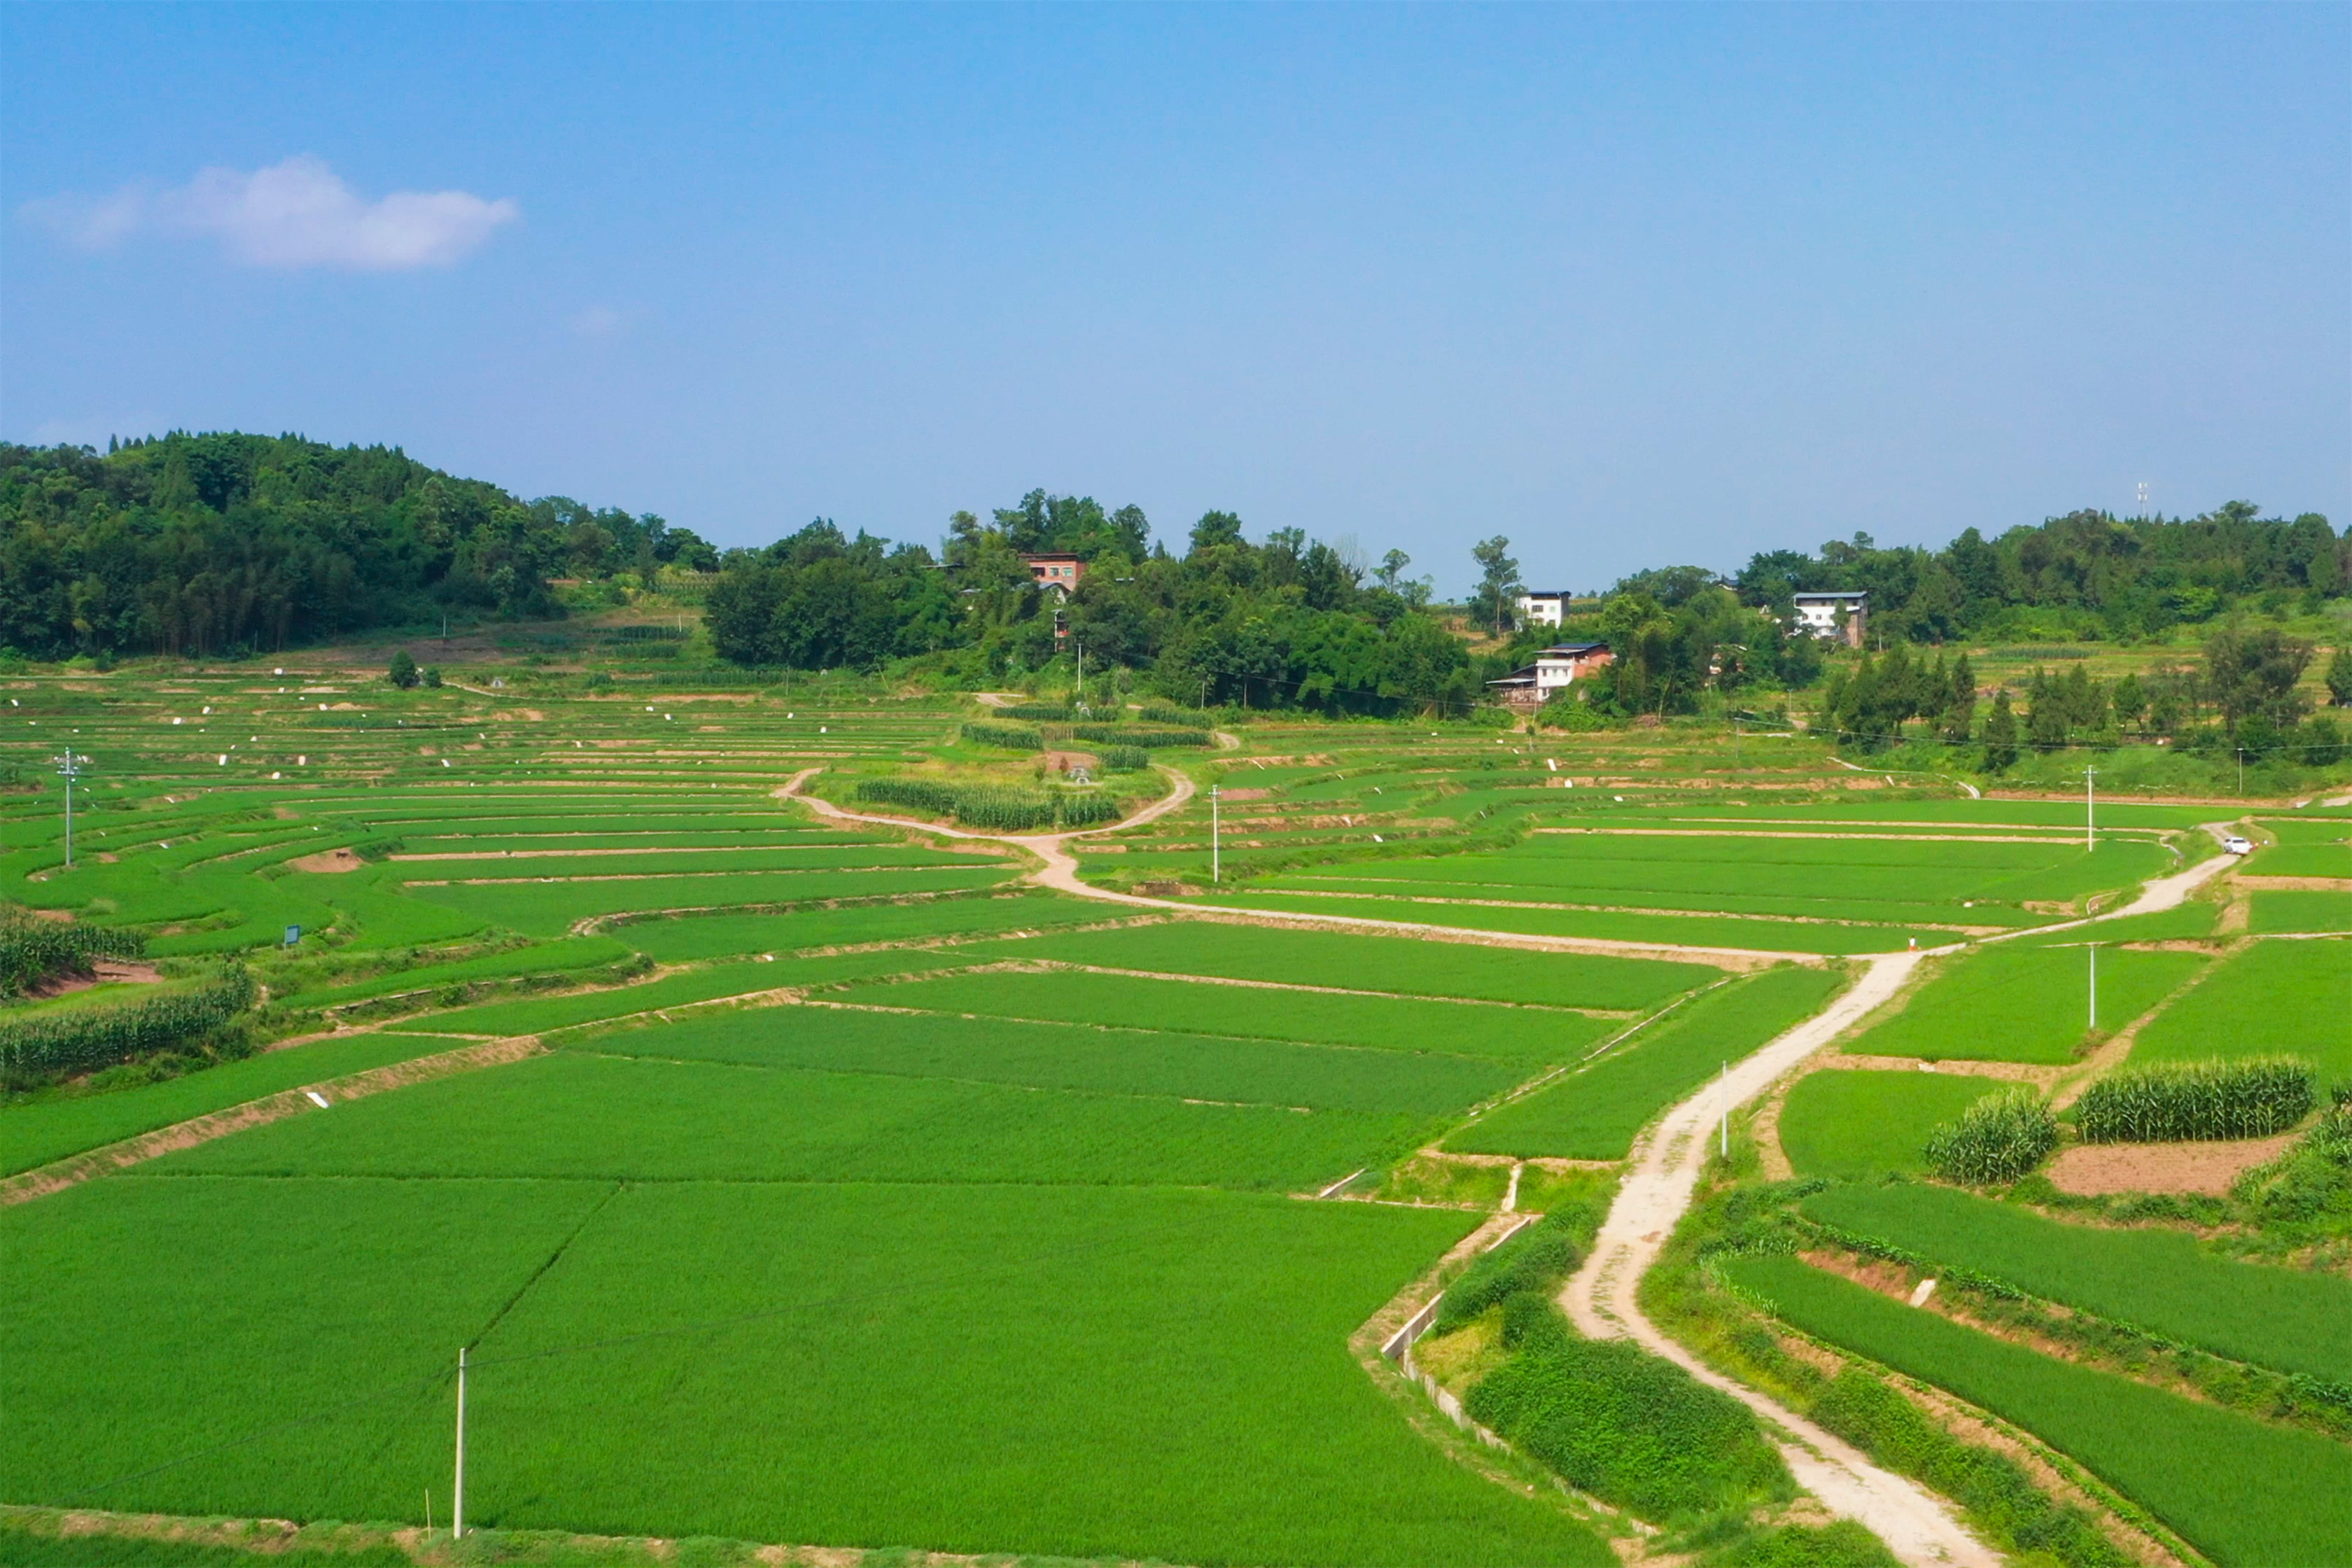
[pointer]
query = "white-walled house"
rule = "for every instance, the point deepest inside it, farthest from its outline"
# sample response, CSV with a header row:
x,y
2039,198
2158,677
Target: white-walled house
x,y
1555,669
1538,607
1819,613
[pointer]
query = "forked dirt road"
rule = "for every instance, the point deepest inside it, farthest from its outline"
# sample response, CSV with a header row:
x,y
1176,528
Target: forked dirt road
x,y
1060,872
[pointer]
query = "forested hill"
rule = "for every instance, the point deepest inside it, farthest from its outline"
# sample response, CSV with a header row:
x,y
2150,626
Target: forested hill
x,y
217,543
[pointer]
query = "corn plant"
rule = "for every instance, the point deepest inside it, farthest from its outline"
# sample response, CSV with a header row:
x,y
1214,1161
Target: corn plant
x,y
1996,1138
1131,735
51,1043
1003,809
1124,759
1011,737
2250,1098
31,950
923,795
1049,711
1084,810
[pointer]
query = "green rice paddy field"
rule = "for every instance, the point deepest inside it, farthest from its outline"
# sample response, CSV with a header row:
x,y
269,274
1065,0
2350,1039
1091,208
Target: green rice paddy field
x,y
859,1195
1998,1004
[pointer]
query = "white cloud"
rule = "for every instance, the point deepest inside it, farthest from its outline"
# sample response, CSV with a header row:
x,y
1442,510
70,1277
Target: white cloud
x,y
598,322
291,214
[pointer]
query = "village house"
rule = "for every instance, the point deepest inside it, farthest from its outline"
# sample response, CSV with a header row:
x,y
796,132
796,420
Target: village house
x,y
1541,608
1055,571
1819,613
1555,669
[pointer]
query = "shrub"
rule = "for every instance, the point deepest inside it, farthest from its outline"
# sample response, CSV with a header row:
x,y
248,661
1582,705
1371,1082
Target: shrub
x,y
1130,735
2250,1097
1627,1426
1011,737
403,672
52,1043
1124,759
1536,1259
1996,1138
432,675
31,950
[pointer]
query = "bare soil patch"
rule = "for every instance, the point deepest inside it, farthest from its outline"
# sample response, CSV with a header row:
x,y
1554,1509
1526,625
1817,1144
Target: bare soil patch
x,y
331,861
2096,1169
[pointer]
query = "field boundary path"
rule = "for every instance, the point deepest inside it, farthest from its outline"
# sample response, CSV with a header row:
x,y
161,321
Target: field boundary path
x,y
1060,872
58,1174
1658,1186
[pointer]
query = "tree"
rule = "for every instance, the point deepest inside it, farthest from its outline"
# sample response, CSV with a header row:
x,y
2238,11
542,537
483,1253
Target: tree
x,y
432,675
1498,584
1215,528
402,673
2339,675
2252,670
2001,733
1391,567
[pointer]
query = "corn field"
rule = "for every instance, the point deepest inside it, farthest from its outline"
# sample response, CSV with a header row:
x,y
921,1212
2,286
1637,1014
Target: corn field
x,y
1133,735
1049,711
1998,1139
1124,759
33,1048
32,950
2250,1097
1011,737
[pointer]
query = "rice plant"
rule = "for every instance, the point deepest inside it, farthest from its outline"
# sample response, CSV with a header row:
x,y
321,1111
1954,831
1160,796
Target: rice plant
x,y
1998,1139
2250,1098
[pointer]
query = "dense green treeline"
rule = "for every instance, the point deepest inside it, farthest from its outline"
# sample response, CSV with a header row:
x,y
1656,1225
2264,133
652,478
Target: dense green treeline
x,y
2086,573
1272,625
215,544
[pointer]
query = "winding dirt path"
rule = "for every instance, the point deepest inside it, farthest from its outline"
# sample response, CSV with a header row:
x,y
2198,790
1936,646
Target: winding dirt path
x,y
1060,872
1600,1296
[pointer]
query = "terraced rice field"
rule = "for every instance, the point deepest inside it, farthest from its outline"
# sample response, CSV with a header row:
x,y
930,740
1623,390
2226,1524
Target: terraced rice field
x,y
2194,1466
1856,1122
2002,1004
2273,995
847,1163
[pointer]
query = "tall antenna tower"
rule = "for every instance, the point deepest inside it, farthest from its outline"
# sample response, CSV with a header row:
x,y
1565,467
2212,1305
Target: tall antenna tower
x,y
2143,497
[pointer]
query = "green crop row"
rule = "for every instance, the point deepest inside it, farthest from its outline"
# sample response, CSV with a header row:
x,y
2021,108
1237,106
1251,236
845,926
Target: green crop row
x,y
1996,1138
47,1043
1010,736
1135,735
1124,759
997,806
2245,1493
2158,1282
2253,1097
31,950
1048,711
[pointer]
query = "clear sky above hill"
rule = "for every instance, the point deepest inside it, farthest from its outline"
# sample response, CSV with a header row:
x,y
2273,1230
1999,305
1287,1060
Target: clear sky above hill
x,y
1633,287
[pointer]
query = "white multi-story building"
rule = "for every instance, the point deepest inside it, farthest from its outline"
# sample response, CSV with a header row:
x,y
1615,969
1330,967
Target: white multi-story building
x,y
1834,614
1541,609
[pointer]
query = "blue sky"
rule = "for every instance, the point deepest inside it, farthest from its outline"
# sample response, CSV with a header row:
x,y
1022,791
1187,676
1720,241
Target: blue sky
x,y
1630,286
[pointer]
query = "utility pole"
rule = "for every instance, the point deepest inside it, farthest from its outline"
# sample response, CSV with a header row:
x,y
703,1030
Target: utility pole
x,y
70,766
1081,646
2241,769
1215,871
457,1503
2095,985
1735,743
1724,1093
2090,811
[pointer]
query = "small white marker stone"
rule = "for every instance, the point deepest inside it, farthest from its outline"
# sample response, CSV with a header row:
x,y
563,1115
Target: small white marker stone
x,y
1926,1289
316,1098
